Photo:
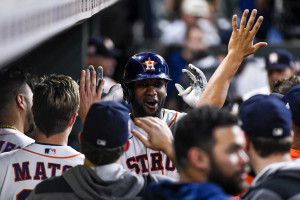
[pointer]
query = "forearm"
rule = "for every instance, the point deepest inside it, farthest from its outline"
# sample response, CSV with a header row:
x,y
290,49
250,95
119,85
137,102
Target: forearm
x,y
216,89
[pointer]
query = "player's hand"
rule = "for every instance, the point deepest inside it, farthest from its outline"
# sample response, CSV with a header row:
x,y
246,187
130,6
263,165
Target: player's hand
x,y
88,93
198,82
241,40
111,93
160,135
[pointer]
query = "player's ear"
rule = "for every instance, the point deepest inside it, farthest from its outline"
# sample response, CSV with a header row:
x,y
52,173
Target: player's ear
x,y
127,145
198,158
20,100
73,119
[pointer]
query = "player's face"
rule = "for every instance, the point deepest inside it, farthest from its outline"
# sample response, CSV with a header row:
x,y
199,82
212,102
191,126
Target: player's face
x,y
228,159
29,122
148,97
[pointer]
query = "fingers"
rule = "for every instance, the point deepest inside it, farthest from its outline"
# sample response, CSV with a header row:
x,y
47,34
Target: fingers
x,y
181,91
82,81
243,21
234,23
251,20
257,25
190,75
93,80
259,45
142,138
100,88
199,74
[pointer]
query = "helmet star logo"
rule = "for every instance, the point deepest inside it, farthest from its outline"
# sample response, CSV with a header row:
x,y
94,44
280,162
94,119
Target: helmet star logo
x,y
150,65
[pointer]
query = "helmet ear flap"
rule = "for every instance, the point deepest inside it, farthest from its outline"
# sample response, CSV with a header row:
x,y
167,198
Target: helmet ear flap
x,y
127,93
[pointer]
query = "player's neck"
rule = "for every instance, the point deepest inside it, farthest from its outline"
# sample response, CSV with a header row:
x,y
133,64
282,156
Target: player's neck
x,y
7,122
57,138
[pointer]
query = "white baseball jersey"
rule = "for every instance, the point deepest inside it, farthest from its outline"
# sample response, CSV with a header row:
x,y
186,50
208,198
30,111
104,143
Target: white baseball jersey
x,y
13,139
22,169
147,161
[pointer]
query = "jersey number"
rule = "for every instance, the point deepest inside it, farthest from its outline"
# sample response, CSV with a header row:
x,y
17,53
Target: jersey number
x,y
23,195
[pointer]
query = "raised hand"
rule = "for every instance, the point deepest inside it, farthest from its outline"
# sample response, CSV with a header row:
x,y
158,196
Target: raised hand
x,y
198,82
88,92
241,41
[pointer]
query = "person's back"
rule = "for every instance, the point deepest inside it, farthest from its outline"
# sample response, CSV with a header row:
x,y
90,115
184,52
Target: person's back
x,y
103,141
55,106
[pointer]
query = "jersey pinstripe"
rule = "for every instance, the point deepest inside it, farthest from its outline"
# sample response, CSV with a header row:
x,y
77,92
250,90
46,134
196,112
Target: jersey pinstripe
x,y
22,169
146,161
12,139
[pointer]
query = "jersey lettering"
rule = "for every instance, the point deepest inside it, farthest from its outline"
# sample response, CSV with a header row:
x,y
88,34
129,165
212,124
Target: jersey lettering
x,y
142,158
156,161
133,165
54,167
23,194
168,163
1,144
23,173
9,146
40,172
66,167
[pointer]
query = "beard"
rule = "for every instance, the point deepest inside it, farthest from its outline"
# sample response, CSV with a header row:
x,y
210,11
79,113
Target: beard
x,y
30,121
232,184
139,111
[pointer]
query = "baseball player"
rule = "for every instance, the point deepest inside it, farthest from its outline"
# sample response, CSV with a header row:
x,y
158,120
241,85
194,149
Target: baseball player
x,y
144,86
15,113
55,107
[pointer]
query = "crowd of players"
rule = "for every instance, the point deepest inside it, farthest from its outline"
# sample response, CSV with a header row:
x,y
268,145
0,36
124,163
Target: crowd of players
x,y
152,152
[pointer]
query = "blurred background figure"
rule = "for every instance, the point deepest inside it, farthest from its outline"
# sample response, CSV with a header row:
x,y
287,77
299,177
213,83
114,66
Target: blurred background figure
x,y
193,12
102,52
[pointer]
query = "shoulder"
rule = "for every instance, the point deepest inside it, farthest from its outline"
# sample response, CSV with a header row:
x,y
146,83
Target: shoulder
x,y
53,184
171,116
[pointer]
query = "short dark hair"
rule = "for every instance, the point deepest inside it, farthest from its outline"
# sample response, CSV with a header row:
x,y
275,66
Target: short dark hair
x,y
197,128
282,86
55,101
101,155
12,83
268,146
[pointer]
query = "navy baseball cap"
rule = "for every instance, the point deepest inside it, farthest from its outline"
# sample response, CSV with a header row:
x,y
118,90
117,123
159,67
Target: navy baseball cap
x,y
107,125
292,101
279,59
102,46
265,116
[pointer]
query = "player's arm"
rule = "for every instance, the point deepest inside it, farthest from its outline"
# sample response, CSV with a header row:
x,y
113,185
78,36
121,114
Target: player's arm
x,y
239,47
160,135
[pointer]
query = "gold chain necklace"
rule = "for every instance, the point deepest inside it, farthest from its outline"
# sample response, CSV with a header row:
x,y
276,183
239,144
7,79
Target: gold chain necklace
x,y
8,126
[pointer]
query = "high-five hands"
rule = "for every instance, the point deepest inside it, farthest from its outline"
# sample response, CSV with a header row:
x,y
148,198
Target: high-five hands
x,y
198,81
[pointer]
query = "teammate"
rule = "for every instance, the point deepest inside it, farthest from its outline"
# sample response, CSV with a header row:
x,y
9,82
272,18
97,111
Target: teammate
x,y
103,141
144,86
15,113
55,107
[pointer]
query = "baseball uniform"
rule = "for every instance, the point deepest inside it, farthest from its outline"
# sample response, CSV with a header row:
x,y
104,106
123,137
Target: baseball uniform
x,y
13,139
22,169
147,161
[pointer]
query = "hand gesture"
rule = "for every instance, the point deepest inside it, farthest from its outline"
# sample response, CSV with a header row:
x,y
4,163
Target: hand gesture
x,y
241,41
88,92
110,95
160,135
198,82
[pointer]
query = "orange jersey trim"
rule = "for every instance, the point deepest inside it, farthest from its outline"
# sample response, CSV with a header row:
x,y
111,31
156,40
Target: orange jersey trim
x,y
50,156
294,153
173,119
7,134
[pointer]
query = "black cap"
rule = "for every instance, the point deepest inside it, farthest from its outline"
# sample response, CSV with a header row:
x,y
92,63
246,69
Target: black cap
x,y
102,46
